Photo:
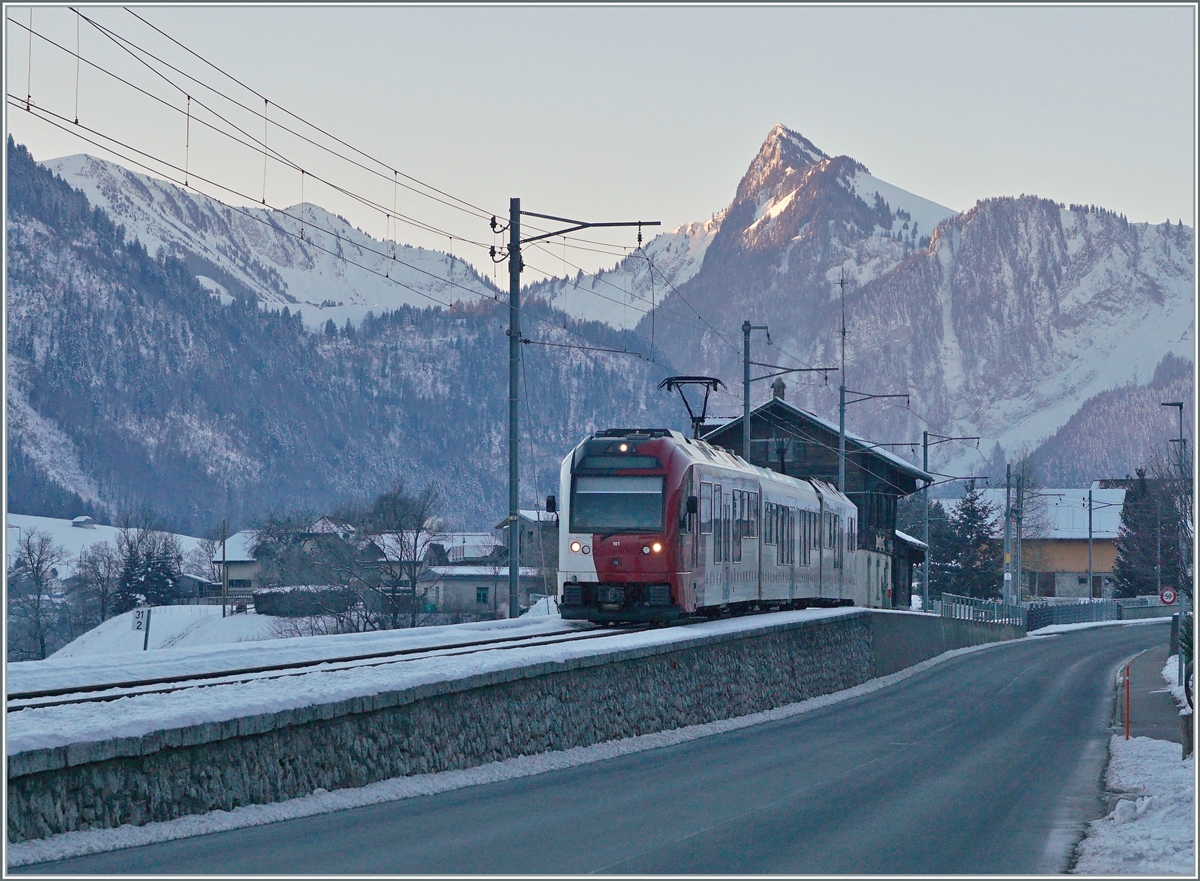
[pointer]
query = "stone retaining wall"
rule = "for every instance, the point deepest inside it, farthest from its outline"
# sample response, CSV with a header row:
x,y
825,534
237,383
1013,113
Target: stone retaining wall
x,y
462,723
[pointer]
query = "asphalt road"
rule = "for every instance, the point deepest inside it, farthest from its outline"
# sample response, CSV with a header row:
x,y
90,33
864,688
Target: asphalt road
x,y
987,763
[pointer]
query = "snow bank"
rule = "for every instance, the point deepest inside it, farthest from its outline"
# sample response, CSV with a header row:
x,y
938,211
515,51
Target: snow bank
x,y
1152,832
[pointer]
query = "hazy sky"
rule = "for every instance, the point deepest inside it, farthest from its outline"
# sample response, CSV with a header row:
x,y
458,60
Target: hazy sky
x,y
626,113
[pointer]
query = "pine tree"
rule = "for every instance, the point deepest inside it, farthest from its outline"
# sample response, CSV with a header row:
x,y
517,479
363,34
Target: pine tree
x,y
976,556
1147,540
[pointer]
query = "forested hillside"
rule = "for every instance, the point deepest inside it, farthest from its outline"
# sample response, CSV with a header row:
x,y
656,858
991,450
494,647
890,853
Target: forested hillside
x,y
129,384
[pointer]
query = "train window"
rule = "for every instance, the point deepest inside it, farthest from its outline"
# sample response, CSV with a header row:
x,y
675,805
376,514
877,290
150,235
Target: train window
x,y
706,514
752,519
617,504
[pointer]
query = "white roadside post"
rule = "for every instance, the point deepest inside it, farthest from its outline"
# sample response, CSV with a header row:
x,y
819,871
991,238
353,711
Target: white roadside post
x,y
141,621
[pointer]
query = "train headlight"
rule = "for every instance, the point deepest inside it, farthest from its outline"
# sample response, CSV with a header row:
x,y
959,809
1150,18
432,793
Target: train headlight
x,y
645,550
624,448
587,549
656,547
576,547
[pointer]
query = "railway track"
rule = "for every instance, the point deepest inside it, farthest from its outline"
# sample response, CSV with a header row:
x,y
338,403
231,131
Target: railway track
x,y
111,691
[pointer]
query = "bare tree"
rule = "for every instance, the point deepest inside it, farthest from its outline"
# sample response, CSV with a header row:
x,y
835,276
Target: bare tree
x,y
99,571
204,560
403,525
32,609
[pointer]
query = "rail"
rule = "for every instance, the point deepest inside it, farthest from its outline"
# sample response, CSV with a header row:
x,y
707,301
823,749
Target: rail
x,y
989,611
110,691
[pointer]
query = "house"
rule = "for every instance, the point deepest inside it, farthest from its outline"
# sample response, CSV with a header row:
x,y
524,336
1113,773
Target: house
x,y
191,589
792,441
237,563
1054,539
480,588
537,544
84,523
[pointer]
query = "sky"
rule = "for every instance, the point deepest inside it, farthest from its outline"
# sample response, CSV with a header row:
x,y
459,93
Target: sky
x,y
619,113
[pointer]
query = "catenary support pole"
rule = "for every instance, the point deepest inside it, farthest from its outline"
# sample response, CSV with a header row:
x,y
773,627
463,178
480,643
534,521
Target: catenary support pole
x,y
1008,579
746,390
514,367
925,523
224,572
1090,576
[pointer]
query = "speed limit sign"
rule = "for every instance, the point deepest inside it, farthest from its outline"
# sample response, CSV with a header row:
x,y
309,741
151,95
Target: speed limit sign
x,y
1167,596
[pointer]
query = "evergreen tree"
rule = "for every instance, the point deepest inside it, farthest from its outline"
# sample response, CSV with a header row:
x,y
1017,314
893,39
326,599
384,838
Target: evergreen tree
x,y
976,555
1147,541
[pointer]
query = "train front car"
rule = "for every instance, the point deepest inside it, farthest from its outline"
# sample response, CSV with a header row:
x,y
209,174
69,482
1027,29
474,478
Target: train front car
x,y
624,527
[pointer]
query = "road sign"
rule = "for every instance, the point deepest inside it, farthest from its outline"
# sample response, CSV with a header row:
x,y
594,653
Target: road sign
x,y
141,617
1167,597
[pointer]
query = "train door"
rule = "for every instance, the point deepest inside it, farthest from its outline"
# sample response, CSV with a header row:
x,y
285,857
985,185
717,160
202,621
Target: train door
x,y
708,544
726,543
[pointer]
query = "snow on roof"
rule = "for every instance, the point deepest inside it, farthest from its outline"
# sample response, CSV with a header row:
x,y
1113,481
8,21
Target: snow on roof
x,y
1066,512
237,547
909,540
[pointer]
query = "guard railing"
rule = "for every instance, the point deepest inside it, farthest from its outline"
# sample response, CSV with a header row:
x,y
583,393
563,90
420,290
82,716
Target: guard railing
x,y
990,611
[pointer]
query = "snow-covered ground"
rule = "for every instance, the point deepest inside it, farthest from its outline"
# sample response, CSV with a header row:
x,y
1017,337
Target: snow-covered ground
x,y
170,627
73,539
38,728
1152,832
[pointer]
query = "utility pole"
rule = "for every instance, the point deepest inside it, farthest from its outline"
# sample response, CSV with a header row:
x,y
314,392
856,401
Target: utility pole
x,y
746,328
1018,514
843,403
224,572
1008,578
925,445
1090,576
515,265
746,380
1182,527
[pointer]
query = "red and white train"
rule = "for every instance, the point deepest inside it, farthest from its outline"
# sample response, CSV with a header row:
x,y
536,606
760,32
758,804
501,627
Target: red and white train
x,y
655,526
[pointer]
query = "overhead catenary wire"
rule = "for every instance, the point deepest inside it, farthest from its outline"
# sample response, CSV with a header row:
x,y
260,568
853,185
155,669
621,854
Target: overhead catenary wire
x,y
247,140
462,204
132,48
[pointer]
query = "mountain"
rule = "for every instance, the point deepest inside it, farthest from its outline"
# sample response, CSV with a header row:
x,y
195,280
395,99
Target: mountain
x,y
128,382
303,256
1001,322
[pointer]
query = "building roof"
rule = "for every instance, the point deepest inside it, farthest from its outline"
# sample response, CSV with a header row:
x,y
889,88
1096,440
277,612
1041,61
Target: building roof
x,y
852,440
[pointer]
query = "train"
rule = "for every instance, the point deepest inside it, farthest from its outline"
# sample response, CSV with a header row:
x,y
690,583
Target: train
x,y
660,528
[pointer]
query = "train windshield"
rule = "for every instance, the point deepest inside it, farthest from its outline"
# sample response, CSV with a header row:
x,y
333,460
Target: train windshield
x,y
617,504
